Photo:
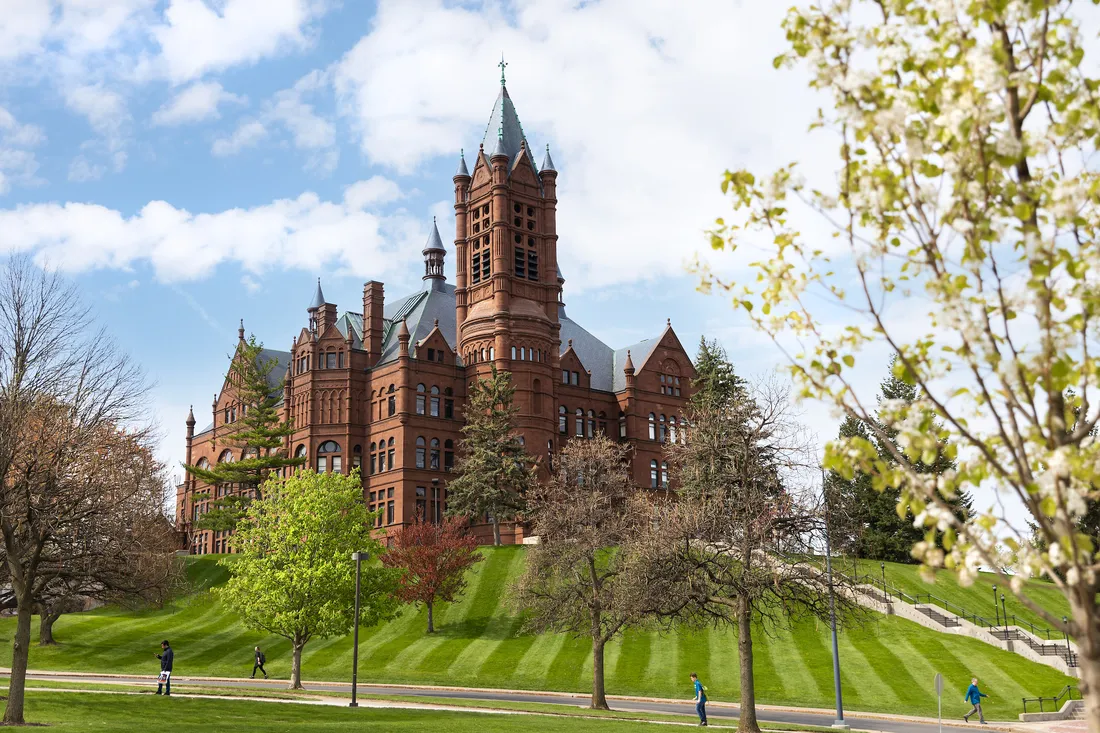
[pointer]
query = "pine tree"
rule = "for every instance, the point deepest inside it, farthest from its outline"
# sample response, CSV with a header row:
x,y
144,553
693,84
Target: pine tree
x,y
715,379
865,521
494,471
260,431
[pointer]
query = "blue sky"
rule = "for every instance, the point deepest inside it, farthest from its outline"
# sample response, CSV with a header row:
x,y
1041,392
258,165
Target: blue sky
x,y
193,162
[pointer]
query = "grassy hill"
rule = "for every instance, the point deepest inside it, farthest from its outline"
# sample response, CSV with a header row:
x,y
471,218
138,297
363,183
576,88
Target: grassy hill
x,y
977,598
887,664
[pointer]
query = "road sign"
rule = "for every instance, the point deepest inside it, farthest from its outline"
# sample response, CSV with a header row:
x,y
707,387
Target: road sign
x,y
939,699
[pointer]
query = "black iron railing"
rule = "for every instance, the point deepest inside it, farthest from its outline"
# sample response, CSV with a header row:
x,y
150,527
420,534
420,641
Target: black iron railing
x,y
1069,692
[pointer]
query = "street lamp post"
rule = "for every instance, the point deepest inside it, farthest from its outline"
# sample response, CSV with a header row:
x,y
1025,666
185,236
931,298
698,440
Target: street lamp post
x,y
358,557
885,595
996,610
839,722
1004,614
1065,632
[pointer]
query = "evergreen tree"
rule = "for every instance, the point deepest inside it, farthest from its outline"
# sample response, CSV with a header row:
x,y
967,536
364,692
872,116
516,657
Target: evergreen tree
x,y
715,379
866,523
494,471
259,430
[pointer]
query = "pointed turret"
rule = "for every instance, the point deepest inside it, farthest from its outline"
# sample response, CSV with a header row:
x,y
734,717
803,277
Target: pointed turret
x,y
547,162
462,171
499,151
318,298
190,417
434,254
403,337
240,331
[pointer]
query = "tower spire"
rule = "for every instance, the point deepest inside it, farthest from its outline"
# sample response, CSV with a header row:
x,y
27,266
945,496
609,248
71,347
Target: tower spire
x,y
502,64
434,254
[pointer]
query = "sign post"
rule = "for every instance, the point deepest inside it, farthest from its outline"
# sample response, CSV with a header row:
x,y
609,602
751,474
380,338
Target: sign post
x,y
939,700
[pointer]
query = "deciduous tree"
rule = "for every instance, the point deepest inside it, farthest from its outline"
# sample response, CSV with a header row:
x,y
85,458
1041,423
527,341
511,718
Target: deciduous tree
x,y
963,192
433,560
294,576
583,577
72,448
494,471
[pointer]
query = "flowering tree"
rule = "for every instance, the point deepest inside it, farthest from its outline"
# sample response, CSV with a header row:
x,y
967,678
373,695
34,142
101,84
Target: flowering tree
x,y
964,190
434,559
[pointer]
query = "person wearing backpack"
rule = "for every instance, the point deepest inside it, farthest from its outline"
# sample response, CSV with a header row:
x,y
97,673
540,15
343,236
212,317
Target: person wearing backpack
x,y
700,699
260,660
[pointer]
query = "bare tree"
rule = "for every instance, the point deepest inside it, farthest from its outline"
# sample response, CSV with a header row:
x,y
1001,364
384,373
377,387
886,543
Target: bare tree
x,y
739,548
69,405
583,577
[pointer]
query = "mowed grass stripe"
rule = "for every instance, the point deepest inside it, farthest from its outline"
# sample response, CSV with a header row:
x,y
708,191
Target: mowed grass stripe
x,y
480,643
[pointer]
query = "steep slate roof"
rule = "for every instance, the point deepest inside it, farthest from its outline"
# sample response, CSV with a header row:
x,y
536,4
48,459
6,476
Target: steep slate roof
x,y
504,123
318,297
276,375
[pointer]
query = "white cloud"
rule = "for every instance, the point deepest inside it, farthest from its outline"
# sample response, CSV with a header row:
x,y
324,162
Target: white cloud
x,y
17,160
644,103
104,109
303,233
289,110
374,190
82,170
250,284
247,134
197,37
25,24
196,103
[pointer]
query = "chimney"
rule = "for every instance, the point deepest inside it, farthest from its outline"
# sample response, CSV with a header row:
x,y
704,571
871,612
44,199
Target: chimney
x,y
372,321
326,316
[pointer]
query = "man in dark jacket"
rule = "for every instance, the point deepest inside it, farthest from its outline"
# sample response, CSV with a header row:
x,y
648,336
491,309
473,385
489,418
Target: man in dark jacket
x,y
165,657
260,659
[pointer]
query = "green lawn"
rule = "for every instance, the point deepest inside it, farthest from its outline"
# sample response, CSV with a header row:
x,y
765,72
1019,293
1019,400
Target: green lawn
x,y
887,664
978,598
95,713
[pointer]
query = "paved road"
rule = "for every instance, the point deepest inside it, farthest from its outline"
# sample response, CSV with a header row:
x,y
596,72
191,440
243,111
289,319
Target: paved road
x,y
685,708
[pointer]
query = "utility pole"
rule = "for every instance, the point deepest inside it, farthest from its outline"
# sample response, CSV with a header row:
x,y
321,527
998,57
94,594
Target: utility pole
x,y
839,722
358,557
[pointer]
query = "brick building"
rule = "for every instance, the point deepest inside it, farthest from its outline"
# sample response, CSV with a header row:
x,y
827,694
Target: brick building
x,y
383,388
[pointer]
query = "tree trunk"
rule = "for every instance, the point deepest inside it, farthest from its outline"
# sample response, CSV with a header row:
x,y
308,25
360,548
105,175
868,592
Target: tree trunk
x,y
599,699
746,720
496,532
45,627
13,713
431,625
296,665
1088,661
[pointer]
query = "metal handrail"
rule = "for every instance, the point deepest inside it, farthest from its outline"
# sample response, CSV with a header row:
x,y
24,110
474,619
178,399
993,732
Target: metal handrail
x,y
1067,692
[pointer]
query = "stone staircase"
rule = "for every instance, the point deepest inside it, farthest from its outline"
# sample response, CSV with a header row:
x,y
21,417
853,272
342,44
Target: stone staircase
x,y
1014,639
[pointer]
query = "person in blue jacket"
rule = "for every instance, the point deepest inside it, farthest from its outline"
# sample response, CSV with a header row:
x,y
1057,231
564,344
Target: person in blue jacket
x,y
700,699
974,697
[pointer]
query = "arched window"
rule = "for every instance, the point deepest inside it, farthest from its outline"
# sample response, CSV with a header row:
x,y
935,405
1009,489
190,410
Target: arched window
x,y
522,354
652,426
381,456
203,464
448,403
420,405
448,455
622,424
325,451
513,352
330,360
483,354
226,456
562,418
300,452
435,402
373,459
580,423
433,457
603,422
653,474
390,454
591,424
664,475
420,452
357,457
392,401
672,429
664,429
492,353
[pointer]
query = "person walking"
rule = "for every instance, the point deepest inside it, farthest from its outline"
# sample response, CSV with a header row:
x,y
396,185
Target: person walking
x,y
165,680
974,697
260,660
700,699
